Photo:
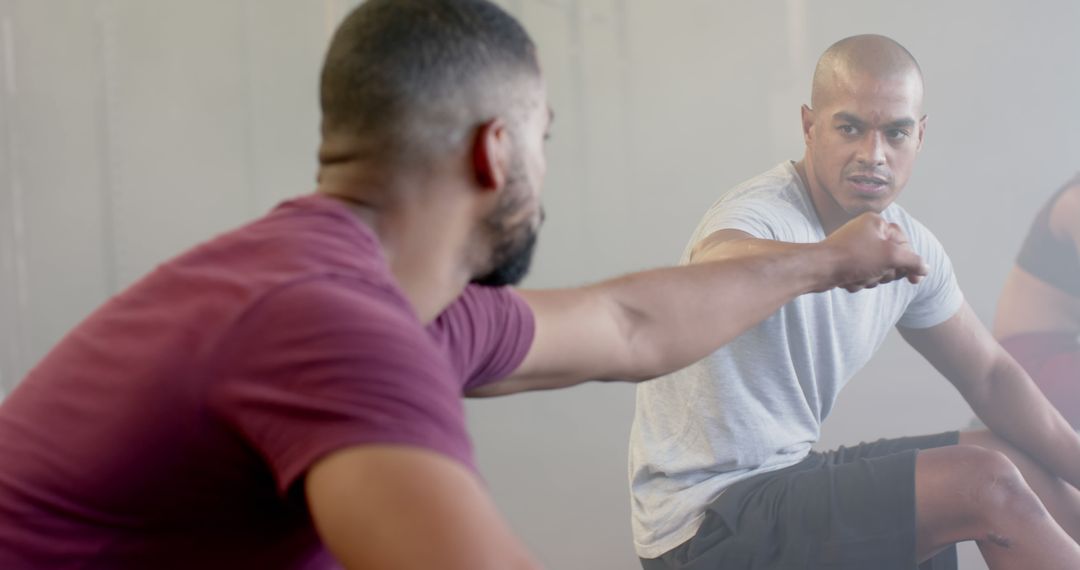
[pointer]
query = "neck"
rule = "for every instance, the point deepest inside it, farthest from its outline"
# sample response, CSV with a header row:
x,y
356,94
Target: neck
x,y
829,213
420,232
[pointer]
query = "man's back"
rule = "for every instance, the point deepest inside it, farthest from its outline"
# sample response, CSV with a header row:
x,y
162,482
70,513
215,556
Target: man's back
x,y
165,431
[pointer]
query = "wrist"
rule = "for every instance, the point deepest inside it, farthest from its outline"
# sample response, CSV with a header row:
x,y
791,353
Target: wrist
x,y
825,261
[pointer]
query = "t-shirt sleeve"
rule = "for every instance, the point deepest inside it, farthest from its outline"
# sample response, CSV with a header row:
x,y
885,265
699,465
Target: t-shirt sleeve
x,y
486,333
938,296
754,217
326,364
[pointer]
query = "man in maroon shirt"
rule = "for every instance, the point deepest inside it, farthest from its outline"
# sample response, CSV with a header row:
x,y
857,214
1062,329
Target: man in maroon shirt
x,y
289,392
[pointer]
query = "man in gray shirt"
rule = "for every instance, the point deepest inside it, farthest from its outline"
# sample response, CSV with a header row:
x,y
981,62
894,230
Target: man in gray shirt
x,y
721,469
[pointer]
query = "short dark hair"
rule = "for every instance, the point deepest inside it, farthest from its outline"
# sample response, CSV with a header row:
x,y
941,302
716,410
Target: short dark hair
x,y
400,74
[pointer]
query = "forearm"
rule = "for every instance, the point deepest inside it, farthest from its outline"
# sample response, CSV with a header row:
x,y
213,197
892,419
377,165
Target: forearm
x,y
1014,408
673,317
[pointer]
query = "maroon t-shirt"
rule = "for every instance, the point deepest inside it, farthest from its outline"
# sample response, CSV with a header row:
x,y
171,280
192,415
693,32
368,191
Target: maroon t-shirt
x,y
171,428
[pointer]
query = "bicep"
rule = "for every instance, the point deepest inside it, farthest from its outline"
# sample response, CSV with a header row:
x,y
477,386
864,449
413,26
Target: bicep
x,y
961,348
402,507
575,330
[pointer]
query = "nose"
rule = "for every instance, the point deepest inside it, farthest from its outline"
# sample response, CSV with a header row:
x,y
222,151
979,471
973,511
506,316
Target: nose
x,y
871,150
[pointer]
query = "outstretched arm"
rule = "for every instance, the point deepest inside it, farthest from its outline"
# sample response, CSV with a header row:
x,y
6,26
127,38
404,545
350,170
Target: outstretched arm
x,y
647,324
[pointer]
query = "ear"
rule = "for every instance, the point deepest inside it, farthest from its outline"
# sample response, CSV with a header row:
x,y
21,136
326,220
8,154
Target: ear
x,y
807,122
922,132
491,151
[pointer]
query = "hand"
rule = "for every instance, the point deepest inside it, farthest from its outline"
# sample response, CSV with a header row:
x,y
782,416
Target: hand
x,y
871,251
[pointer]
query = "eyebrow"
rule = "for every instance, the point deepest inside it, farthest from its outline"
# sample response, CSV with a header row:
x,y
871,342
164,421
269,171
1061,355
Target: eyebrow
x,y
906,122
902,123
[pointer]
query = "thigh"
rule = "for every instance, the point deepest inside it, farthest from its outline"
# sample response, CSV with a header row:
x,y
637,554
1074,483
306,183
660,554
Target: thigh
x,y
820,514
872,506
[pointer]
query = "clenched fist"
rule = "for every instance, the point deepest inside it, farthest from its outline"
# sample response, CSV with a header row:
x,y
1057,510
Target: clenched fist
x,y
871,251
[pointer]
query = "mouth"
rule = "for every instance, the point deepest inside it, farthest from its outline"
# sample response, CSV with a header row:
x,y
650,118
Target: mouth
x,y
869,184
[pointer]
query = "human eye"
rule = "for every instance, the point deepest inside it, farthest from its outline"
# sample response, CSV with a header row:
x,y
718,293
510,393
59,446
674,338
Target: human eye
x,y
897,134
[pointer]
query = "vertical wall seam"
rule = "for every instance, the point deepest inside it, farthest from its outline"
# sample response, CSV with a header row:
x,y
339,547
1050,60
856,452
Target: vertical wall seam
x,y
247,57
575,14
19,299
108,155
627,101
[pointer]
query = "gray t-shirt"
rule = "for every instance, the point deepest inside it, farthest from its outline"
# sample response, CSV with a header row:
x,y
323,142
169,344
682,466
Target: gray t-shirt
x,y
757,404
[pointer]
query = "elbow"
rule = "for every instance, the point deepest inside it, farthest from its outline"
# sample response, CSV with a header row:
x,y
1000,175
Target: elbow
x,y
645,358
996,387
640,362
649,353
644,363
633,358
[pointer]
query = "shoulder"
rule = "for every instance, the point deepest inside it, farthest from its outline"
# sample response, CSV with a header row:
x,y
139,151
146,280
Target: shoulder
x,y
338,297
923,240
348,315
938,296
335,339
771,205
776,187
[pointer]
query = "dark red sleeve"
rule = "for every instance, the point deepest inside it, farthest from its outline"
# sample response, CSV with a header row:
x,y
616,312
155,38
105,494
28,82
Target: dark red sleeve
x,y
486,334
326,364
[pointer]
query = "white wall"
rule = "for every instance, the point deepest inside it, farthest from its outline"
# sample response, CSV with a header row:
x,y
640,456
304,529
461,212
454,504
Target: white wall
x,y
131,129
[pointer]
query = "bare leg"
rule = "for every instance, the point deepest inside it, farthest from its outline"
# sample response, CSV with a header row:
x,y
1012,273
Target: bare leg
x,y
1060,498
965,492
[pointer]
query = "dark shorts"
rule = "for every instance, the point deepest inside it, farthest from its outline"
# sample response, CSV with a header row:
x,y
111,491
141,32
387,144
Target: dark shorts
x,y
852,509
1053,361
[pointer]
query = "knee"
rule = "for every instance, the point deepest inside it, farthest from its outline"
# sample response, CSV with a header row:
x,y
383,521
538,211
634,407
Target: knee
x,y
992,487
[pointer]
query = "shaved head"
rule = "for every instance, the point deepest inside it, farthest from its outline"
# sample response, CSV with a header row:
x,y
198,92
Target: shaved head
x,y
866,55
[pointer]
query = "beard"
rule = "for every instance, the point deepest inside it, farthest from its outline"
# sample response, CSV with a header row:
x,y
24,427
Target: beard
x,y
512,261
512,253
